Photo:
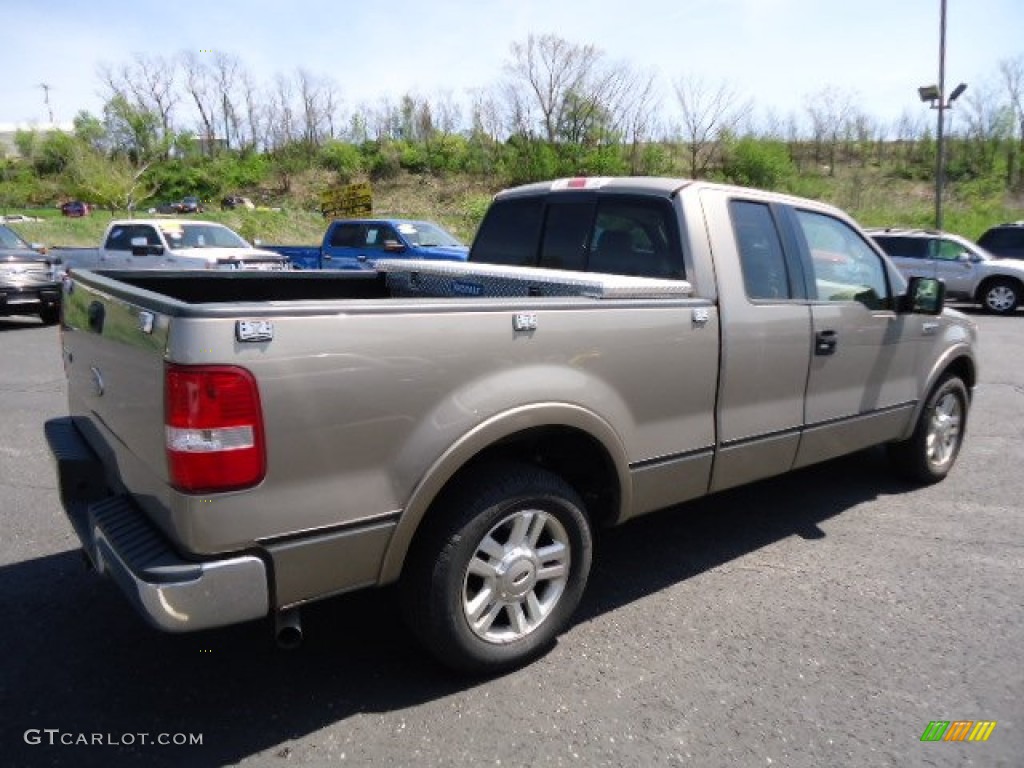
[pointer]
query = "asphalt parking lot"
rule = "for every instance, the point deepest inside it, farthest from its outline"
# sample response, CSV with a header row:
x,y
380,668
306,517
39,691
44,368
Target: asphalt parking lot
x,y
820,619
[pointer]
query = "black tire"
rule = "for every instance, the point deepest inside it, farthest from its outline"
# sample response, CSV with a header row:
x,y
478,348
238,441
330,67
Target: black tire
x,y
50,315
1000,297
929,454
526,529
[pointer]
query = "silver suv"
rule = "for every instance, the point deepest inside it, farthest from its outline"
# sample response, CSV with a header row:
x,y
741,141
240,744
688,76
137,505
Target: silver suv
x,y
970,272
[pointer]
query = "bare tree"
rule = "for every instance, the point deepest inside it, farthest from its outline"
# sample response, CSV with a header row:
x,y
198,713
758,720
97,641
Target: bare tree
x,y
148,83
332,105
830,110
989,122
546,69
709,113
634,113
909,131
227,76
281,114
447,113
1012,72
311,99
201,88
254,109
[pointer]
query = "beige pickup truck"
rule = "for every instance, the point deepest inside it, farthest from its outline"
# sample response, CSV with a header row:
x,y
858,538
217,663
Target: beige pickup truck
x,y
240,444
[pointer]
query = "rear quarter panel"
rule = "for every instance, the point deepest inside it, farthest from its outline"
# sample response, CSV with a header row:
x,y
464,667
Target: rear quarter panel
x,y
360,405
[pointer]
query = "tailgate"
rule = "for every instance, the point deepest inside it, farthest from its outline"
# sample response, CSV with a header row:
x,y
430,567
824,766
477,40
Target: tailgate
x,y
114,362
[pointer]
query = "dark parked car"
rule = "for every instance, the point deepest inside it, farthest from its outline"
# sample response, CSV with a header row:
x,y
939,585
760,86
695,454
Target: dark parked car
x,y
75,209
190,205
231,202
1004,240
28,281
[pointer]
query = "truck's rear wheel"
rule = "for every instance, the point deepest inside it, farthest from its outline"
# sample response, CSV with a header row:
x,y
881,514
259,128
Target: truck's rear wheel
x,y
501,569
929,454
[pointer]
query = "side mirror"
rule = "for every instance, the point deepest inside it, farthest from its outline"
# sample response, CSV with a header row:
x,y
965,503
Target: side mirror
x,y
257,242
925,296
393,246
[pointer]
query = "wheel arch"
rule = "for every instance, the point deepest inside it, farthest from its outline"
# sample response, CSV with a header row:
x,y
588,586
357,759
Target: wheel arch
x,y
985,284
959,362
565,439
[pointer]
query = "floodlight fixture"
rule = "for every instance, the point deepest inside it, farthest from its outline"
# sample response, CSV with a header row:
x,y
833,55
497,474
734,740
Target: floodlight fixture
x,y
928,92
956,93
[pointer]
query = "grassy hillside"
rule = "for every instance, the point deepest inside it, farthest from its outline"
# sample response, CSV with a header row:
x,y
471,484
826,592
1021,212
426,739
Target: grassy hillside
x,y
458,204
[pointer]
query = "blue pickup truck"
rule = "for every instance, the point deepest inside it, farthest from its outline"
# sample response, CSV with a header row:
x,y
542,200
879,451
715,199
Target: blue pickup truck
x,y
358,243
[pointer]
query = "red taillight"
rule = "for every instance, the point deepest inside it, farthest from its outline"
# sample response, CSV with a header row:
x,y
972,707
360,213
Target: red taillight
x,y
214,428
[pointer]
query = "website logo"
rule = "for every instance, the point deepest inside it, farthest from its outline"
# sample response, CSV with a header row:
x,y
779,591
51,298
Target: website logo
x,y
958,730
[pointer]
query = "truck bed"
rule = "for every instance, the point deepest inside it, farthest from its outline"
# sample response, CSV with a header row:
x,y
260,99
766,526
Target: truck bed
x,y
393,278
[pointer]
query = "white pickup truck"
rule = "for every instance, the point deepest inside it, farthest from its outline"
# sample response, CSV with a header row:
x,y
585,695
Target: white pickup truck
x,y
240,444
170,244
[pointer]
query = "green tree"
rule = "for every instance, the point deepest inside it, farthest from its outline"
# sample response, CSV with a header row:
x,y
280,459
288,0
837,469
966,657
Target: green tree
x,y
342,158
113,183
758,163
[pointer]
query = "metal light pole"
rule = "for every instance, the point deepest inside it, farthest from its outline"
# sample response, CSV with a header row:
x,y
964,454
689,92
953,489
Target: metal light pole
x,y
936,94
940,160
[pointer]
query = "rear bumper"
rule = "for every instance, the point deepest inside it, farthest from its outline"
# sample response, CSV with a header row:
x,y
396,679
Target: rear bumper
x,y
172,593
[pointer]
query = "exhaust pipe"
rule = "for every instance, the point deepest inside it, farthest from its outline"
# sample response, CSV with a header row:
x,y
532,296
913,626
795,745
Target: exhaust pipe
x,y
288,629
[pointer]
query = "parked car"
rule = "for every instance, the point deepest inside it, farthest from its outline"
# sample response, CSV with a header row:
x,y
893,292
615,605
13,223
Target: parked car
x,y
171,244
970,272
29,284
1004,240
358,243
75,209
190,205
231,202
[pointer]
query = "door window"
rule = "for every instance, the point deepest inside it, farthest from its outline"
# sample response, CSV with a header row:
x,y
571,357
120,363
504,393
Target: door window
x,y
765,275
949,250
377,236
844,267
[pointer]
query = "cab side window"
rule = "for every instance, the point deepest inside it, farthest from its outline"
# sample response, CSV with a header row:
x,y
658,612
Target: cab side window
x,y
345,236
120,238
765,275
904,247
636,237
844,267
510,233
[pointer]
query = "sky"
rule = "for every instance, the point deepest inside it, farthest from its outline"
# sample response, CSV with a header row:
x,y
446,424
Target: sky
x,y
779,53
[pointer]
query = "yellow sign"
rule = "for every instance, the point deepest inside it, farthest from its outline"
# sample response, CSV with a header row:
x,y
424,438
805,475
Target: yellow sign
x,y
348,201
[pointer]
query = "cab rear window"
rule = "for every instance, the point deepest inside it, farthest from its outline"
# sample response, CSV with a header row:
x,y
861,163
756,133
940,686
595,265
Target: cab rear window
x,y
614,235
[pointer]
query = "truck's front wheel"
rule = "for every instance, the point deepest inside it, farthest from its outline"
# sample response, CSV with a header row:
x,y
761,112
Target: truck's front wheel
x,y
500,570
930,452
